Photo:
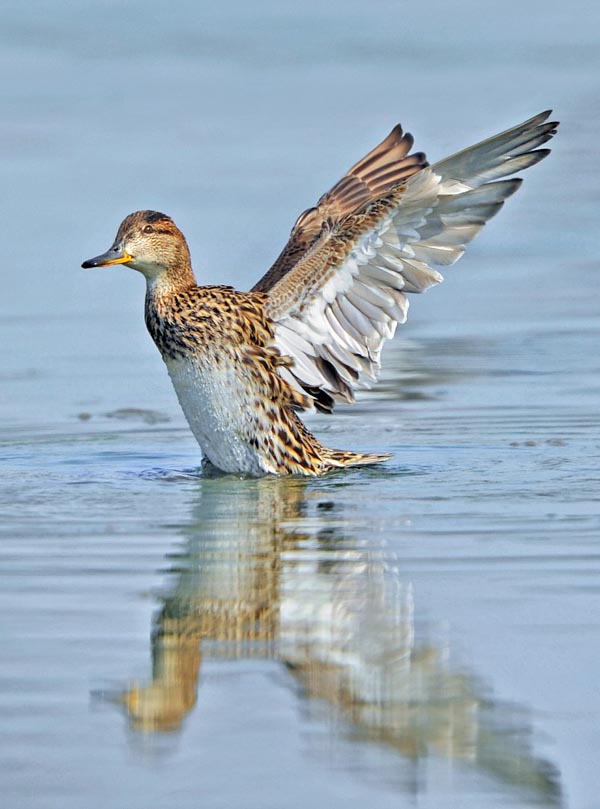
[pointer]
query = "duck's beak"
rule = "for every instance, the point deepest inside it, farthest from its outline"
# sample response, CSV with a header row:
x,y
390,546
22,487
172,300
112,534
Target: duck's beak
x,y
116,255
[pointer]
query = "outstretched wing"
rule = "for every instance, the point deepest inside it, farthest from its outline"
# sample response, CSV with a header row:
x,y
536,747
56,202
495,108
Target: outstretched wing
x,y
338,290
385,166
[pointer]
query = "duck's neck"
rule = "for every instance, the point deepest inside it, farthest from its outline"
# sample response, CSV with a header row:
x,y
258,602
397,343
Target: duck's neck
x,y
165,284
164,312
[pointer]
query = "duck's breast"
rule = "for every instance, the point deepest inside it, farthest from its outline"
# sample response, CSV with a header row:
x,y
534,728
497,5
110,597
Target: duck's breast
x,y
220,410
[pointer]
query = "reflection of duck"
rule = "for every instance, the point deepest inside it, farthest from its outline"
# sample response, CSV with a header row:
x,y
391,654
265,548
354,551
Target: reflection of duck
x,y
267,574
312,328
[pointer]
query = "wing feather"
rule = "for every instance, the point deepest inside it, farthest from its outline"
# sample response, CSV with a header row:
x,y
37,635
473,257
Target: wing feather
x,y
387,165
338,289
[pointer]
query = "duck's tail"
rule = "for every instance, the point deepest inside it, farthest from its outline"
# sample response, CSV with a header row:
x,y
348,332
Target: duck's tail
x,y
300,452
339,458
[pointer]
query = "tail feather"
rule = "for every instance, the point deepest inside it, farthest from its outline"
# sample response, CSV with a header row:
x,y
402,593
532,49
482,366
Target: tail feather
x,y
339,458
303,453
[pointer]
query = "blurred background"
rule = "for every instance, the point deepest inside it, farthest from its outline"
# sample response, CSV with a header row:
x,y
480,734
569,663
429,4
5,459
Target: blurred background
x,y
472,681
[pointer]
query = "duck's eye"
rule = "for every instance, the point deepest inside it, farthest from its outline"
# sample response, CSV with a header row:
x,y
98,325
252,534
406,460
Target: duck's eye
x,y
148,229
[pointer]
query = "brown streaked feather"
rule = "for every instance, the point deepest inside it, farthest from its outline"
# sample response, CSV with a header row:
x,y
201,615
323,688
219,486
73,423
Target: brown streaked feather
x,y
335,302
383,167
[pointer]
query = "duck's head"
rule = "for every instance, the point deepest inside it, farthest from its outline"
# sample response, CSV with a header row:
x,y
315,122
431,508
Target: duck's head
x,y
152,243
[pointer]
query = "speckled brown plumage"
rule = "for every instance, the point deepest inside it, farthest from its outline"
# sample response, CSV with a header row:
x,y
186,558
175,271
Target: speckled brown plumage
x,y
311,330
230,328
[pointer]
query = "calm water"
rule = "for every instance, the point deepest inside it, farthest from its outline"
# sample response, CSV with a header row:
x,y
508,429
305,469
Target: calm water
x,y
423,634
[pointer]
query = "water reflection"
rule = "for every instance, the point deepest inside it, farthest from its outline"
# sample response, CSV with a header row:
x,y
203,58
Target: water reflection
x,y
267,571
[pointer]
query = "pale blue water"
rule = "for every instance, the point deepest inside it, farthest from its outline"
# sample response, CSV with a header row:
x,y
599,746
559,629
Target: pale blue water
x,y
425,634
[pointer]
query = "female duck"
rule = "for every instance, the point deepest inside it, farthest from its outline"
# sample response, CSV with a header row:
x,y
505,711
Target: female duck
x,y
312,329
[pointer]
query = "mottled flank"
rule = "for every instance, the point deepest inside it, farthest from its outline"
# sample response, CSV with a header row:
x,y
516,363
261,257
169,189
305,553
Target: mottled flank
x,y
311,331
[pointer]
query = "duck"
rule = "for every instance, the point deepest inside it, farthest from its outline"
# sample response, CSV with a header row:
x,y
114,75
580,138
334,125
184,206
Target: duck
x,y
310,332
